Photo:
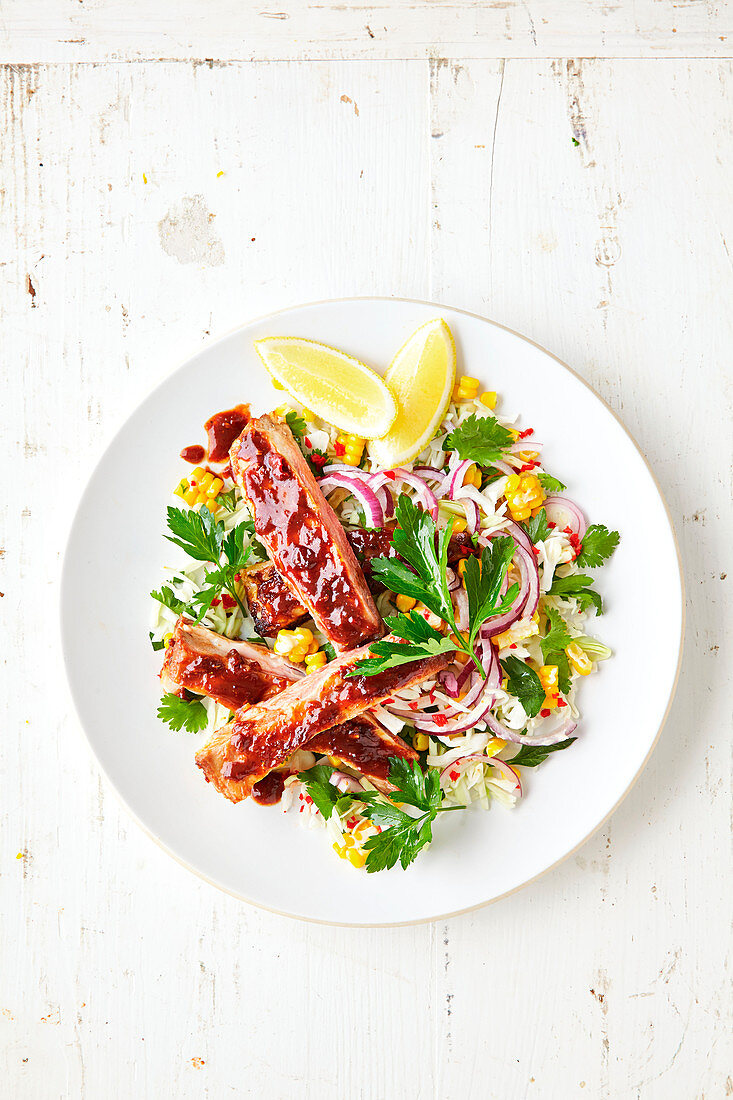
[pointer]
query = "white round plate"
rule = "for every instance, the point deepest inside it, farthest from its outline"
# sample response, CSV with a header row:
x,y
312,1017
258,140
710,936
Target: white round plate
x,y
116,552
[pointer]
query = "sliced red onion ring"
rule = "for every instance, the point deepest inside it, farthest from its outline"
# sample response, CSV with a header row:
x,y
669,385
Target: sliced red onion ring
x,y
454,581
560,733
460,603
525,604
524,445
426,495
432,473
449,680
454,481
344,468
479,701
559,508
493,762
476,690
372,508
473,516
503,468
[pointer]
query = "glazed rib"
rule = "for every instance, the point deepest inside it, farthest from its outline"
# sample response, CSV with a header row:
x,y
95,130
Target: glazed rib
x,y
238,673
262,736
274,606
302,533
234,673
363,744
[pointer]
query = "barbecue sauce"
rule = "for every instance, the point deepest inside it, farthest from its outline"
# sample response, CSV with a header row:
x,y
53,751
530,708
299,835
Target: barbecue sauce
x,y
233,681
299,541
270,789
193,454
223,428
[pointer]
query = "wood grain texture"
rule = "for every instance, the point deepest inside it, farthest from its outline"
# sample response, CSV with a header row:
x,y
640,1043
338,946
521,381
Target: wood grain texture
x,y
123,247
244,30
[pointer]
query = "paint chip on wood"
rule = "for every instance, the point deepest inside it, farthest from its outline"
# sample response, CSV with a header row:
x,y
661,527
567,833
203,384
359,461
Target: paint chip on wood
x,y
188,235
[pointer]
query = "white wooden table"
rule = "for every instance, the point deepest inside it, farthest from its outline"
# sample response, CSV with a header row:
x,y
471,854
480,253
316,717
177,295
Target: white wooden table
x,y
169,170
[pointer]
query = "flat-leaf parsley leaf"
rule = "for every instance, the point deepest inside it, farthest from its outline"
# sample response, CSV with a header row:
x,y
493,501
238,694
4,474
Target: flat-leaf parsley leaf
x,y
189,714
481,439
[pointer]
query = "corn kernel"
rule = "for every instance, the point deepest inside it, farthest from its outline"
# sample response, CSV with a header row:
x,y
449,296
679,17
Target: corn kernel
x,y
488,399
191,496
405,603
195,476
340,850
420,741
495,745
356,859
211,504
315,660
303,635
181,489
466,390
523,492
313,647
462,567
284,642
205,482
549,676
459,525
551,701
215,488
168,638
334,761
579,659
472,476
349,842
308,414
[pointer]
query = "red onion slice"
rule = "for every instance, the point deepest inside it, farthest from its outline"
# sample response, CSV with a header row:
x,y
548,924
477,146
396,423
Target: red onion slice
x,y
493,762
431,473
564,512
425,494
560,733
373,511
454,481
524,445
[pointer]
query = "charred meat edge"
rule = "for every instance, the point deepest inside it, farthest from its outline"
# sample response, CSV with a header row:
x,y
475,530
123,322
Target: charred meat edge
x,y
234,673
262,736
302,533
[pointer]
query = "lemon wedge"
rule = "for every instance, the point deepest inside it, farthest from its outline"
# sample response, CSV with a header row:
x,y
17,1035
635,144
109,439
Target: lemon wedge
x,y
337,387
421,376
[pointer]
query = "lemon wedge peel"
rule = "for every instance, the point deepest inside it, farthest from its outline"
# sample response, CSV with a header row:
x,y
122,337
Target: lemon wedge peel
x,y
422,376
339,388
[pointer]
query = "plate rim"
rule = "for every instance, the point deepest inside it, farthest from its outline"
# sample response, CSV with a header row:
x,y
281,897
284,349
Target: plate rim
x,y
208,345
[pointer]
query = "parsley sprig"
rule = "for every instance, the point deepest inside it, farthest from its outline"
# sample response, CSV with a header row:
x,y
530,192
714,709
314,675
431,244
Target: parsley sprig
x,y
189,714
206,539
481,439
403,835
420,572
530,756
576,586
598,545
